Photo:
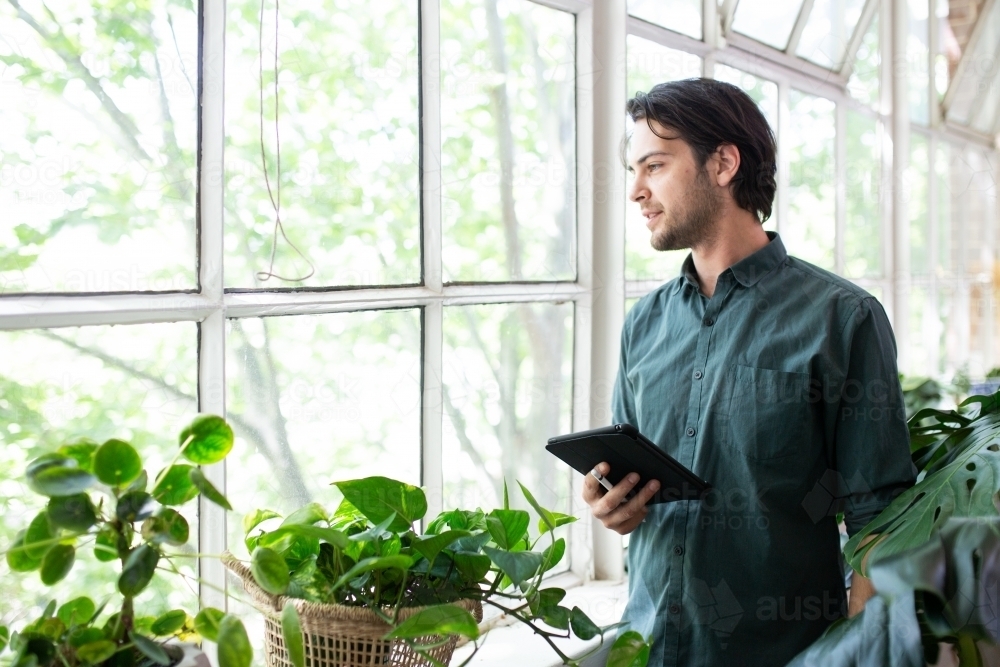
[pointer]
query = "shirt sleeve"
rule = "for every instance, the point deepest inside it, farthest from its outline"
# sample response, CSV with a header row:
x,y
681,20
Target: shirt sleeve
x,y
871,442
623,398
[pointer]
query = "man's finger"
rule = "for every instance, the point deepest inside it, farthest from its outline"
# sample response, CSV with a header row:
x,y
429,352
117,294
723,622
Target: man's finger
x,y
632,511
613,498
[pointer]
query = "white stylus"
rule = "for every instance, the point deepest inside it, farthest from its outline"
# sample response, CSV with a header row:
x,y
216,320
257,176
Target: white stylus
x,y
602,479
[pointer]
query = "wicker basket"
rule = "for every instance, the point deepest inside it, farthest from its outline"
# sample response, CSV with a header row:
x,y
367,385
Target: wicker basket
x,y
339,636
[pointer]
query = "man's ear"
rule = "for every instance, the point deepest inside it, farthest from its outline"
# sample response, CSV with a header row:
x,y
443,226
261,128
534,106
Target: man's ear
x,y
725,162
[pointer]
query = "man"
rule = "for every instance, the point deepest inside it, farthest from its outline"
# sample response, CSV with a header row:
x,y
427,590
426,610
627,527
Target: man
x,y
772,379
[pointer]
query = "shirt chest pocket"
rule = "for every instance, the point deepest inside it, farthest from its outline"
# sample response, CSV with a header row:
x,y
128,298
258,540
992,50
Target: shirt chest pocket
x,y
769,415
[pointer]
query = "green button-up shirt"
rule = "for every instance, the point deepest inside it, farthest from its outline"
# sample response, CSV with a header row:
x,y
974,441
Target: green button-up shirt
x,y
781,391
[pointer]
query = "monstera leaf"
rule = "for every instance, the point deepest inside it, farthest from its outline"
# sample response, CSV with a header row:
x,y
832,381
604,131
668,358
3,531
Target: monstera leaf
x,y
963,482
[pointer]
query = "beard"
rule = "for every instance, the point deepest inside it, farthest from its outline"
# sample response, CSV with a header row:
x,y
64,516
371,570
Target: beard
x,y
694,222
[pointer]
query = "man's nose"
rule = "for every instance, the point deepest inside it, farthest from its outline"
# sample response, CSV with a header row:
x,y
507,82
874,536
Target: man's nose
x,y
637,191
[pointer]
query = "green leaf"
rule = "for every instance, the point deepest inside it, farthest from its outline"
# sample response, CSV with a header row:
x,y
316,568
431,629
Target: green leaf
x,y
97,652
211,439
234,645
47,461
964,484
472,566
77,611
84,635
206,623
106,545
82,452
167,525
168,623
334,537
39,537
518,566
116,463
5,637
629,650
57,563
558,519
545,516
208,490
553,554
547,597
399,562
442,620
257,517
555,616
429,546
174,487
58,481
150,648
305,515
291,630
507,527
17,556
269,570
135,506
75,513
375,532
506,496
138,570
582,626
378,497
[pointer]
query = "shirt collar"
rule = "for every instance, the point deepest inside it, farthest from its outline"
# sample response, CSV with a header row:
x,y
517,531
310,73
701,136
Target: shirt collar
x,y
748,271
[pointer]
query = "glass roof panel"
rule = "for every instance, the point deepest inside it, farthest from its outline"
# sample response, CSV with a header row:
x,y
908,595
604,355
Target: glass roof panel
x,y
978,73
767,21
683,16
828,30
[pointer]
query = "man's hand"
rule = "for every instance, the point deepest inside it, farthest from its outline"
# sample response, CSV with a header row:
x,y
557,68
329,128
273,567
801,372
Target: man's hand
x,y
607,506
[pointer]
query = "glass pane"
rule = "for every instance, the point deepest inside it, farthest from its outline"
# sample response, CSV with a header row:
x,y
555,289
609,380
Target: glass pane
x,y
863,232
349,140
767,21
917,54
683,16
828,30
508,132
317,399
810,230
922,334
508,388
864,82
943,244
647,65
916,204
137,383
97,181
949,51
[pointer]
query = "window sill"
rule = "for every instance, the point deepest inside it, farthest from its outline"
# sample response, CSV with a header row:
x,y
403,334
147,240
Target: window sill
x,y
509,642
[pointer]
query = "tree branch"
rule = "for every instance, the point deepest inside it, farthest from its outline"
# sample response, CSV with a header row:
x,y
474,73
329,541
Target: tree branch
x,y
62,46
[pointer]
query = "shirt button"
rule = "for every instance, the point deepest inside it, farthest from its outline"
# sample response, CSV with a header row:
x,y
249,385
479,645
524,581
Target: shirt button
x,y
709,321
690,432
697,375
674,609
678,550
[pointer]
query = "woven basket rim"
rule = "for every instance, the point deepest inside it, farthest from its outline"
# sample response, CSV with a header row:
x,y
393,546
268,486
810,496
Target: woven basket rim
x,y
271,605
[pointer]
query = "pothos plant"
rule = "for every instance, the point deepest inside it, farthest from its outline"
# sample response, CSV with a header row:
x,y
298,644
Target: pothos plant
x,y
936,547
101,499
368,553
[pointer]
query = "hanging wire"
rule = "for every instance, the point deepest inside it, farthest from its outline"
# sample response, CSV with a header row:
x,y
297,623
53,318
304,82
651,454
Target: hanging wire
x,y
275,195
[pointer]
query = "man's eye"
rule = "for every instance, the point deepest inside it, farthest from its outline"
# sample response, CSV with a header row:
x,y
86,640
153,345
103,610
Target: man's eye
x,y
653,167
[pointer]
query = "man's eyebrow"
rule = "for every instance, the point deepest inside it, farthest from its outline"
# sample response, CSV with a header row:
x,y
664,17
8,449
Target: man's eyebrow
x,y
646,157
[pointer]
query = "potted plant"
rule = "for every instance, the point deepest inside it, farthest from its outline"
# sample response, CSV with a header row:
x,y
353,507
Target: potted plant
x,y
360,585
935,560
102,495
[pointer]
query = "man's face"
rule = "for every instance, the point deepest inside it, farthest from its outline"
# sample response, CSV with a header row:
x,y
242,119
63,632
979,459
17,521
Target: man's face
x,y
679,203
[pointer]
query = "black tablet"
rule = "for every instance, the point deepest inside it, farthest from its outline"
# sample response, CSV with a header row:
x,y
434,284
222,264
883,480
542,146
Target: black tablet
x,y
626,450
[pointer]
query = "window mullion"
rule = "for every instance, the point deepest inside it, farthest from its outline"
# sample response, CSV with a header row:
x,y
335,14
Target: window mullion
x,y
432,474
211,339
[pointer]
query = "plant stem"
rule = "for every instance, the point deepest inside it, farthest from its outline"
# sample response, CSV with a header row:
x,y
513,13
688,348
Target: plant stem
x,y
538,631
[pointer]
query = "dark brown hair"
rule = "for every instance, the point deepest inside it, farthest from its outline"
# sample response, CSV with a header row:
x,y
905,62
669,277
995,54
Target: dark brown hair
x,y
706,113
